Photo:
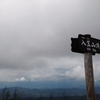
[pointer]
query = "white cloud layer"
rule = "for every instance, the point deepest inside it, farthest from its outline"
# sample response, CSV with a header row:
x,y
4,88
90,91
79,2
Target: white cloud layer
x,y
20,79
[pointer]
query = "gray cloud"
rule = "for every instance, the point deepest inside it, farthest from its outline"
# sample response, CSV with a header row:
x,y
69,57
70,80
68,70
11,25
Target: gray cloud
x,y
35,38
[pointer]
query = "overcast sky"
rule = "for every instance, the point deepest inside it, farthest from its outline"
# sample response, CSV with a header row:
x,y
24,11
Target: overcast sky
x,y
35,38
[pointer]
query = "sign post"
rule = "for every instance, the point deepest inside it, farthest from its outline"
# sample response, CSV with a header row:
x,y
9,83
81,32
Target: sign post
x,y
88,46
90,91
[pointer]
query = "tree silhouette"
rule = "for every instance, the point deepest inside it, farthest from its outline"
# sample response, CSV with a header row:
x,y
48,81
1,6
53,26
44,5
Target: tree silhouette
x,y
6,95
3,93
51,97
64,96
41,97
16,95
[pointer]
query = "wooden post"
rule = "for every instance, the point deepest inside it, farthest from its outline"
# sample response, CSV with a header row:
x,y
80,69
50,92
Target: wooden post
x,y
90,90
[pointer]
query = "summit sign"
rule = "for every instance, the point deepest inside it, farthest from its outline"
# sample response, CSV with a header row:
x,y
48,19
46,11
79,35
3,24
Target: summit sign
x,y
85,43
89,44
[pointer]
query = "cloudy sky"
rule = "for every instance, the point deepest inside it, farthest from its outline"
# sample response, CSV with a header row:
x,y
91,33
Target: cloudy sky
x,y
35,39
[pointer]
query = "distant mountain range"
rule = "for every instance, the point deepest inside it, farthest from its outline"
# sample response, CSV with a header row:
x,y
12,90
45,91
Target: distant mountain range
x,y
25,92
45,84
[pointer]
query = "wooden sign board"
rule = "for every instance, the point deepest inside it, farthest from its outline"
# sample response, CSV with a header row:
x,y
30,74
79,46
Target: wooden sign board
x,y
85,43
89,44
